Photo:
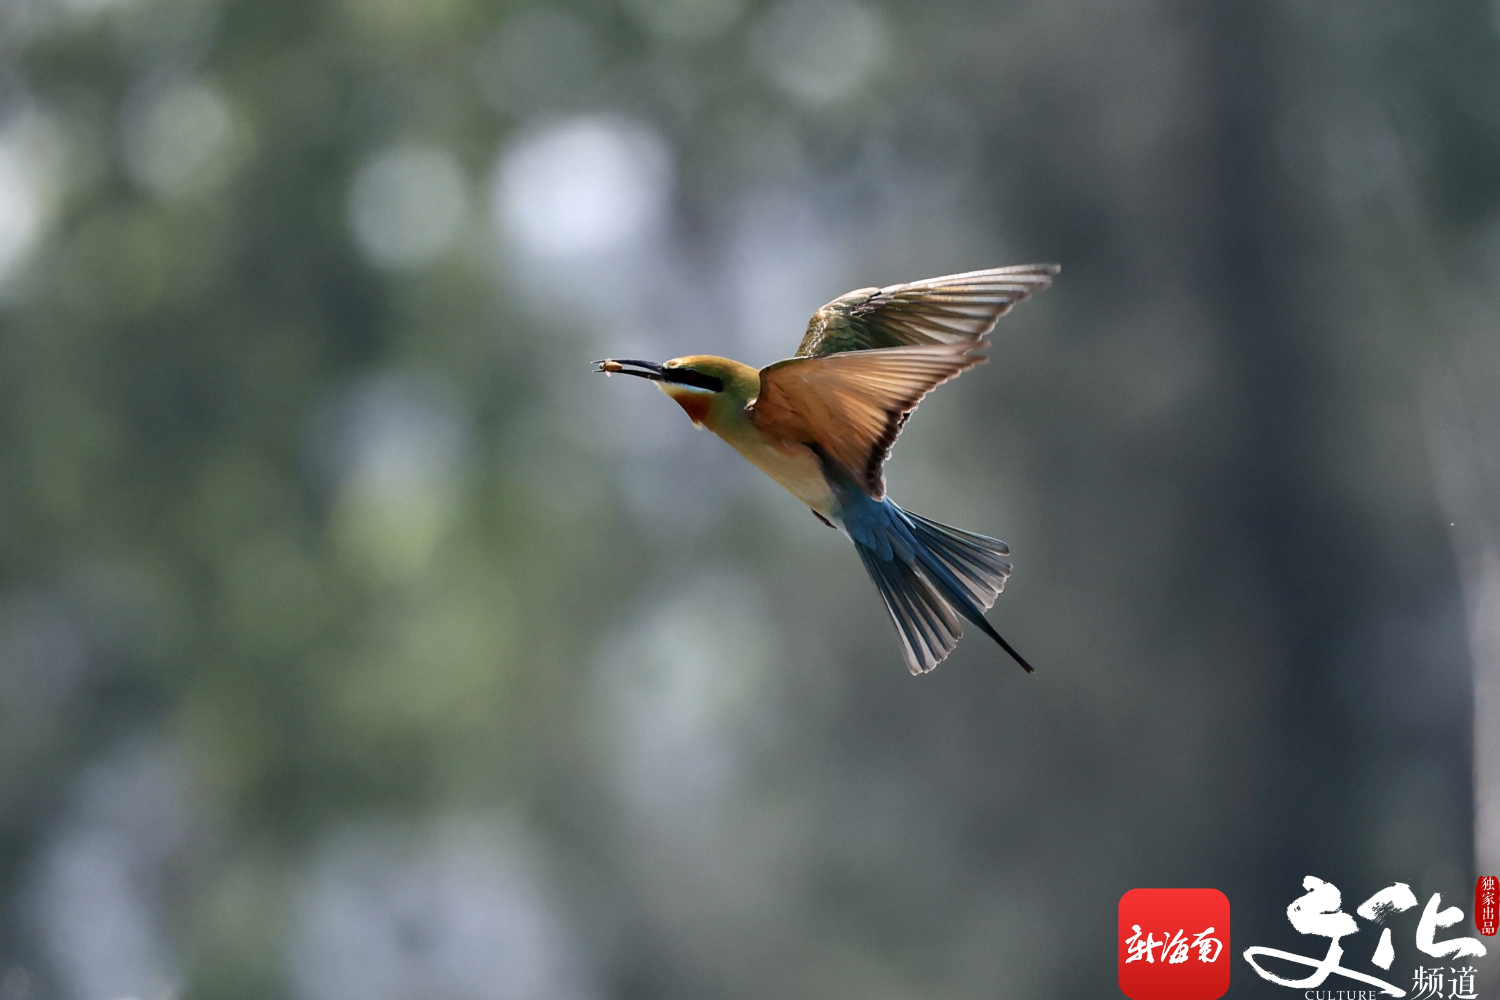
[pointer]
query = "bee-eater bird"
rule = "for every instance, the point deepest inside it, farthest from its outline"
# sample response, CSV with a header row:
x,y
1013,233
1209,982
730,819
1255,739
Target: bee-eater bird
x,y
822,423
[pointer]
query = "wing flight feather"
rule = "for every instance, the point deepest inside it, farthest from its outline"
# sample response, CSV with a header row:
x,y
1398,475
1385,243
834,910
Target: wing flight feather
x,y
954,308
851,405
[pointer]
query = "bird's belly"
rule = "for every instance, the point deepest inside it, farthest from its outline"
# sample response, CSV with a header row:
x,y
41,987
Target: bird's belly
x,y
795,467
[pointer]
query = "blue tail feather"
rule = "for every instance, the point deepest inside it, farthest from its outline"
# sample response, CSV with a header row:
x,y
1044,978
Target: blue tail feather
x,y
929,576
978,562
925,623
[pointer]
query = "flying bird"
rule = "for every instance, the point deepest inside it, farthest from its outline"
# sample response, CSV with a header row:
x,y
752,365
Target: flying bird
x,y
822,423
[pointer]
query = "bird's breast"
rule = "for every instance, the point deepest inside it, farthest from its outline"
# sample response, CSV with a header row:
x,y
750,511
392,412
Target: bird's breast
x,y
793,465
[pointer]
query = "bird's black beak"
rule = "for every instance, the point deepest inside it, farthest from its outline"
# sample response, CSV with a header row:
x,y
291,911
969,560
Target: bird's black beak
x,y
609,366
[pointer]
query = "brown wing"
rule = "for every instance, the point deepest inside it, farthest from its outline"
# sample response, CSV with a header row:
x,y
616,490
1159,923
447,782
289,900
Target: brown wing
x,y
955,308
852,405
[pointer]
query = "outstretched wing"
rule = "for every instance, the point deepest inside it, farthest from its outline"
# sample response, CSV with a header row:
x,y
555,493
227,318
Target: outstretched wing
x,y
851,406
956,308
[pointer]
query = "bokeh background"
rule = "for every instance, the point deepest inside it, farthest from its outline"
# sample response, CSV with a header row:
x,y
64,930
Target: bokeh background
x,y
356,641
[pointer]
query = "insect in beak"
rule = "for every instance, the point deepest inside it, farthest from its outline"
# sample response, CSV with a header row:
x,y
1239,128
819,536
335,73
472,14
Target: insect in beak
x,y
609,366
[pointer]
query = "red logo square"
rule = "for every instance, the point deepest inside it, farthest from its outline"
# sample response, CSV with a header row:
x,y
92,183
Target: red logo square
x,y
1174,944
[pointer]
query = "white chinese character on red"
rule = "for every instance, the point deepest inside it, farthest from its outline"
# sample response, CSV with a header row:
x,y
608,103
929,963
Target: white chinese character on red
x,y
1141,949
1175,952
1208,947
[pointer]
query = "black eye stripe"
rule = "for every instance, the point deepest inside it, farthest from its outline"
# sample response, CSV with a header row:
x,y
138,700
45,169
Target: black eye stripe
x,y
688,376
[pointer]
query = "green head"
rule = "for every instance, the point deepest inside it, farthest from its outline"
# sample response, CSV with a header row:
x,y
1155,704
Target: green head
x,y
713,391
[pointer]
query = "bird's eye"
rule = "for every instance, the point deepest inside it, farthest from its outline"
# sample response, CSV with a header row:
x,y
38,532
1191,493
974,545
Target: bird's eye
x,y
696,379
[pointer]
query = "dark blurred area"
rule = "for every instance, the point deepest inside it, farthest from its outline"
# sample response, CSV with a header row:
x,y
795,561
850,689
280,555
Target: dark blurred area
x,y
356,641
